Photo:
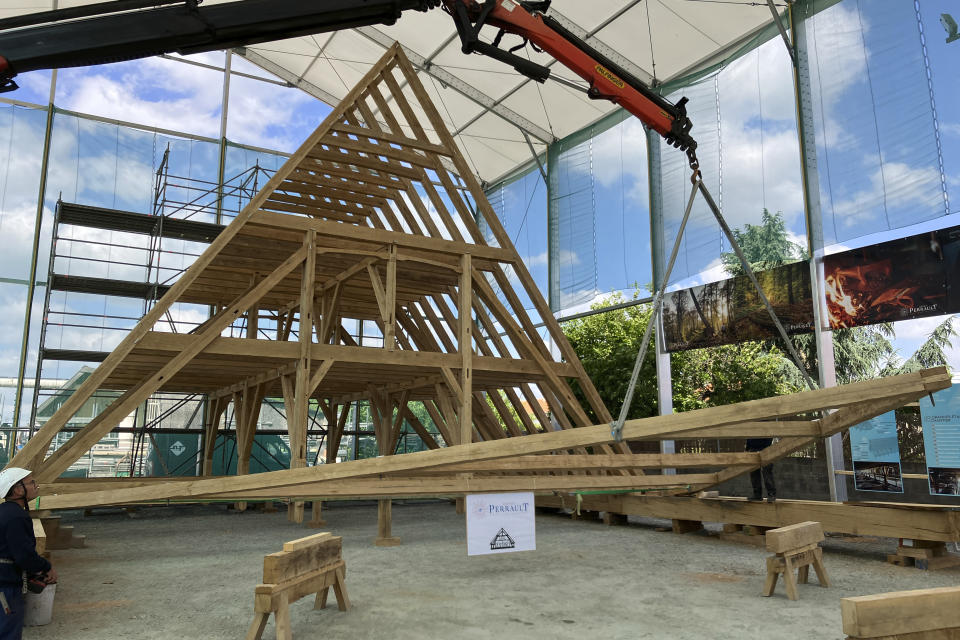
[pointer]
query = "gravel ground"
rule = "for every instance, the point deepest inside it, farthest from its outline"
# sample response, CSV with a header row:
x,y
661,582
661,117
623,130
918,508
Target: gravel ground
x,y
190,571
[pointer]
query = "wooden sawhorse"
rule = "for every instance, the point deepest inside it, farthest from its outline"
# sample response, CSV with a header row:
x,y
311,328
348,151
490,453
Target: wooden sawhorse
x,y
305,566
796,547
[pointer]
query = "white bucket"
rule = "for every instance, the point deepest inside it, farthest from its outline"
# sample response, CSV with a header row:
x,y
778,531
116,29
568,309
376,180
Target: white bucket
x,y
39,607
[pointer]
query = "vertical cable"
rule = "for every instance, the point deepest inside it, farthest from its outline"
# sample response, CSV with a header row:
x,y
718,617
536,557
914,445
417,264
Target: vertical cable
x,y
763,177
933,108
876,121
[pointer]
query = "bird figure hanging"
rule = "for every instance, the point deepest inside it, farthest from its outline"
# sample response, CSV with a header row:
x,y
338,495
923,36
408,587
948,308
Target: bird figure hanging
x,y
951,26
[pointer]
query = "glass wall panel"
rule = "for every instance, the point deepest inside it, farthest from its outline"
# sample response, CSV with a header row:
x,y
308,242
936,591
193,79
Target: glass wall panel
x,y
521,207
943,54
21,153
155,92
623,208
268,115
744,121
877,154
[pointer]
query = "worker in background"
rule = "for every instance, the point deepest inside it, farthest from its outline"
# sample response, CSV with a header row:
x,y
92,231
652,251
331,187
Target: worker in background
x,y
18,550
764,473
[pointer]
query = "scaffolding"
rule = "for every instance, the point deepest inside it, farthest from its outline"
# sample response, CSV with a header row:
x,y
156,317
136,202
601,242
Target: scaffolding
x,y
150,251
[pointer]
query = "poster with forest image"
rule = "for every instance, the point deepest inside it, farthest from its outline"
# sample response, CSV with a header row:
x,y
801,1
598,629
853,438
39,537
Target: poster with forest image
x,y
731,311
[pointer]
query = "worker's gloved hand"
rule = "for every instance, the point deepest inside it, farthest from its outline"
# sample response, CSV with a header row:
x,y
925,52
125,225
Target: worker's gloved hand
x,y
51,577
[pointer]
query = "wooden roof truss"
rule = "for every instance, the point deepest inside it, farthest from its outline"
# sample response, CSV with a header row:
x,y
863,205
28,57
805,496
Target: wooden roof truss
x,y
374,218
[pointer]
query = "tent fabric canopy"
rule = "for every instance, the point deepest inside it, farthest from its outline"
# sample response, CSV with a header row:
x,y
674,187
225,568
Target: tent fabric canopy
x,y
491,109
662,39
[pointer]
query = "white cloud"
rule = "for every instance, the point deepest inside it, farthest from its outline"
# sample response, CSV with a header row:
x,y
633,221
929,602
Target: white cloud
x,y
712,273
538,260
153,92
918,329
950,128
167,94
621,152
265,115
892,185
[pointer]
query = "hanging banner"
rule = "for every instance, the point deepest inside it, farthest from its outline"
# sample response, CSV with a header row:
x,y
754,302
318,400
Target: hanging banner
x,y
500,523
941,440
913,277
731,311
896,280
876,455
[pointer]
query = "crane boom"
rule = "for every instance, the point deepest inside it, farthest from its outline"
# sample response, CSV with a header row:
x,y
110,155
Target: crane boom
x,y
607,80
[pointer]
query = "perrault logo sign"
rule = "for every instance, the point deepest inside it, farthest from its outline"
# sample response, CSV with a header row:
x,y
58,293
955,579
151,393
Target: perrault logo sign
x,y
500,522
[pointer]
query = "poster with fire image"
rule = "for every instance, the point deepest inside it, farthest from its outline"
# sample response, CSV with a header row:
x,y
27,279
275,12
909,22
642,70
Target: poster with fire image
x,y
897,280
731,311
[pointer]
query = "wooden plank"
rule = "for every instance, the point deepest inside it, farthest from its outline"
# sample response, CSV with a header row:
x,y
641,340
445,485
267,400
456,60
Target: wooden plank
x,y
598,461
465,347
41,535
307,542
381,236
793,536
268,597
173,343
901,612
285,565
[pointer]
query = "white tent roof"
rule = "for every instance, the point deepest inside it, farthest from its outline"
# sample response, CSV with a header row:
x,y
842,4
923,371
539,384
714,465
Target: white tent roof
x,y
486,104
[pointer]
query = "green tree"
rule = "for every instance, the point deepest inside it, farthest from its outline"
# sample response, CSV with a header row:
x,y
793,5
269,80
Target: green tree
x,y
607,345
765,245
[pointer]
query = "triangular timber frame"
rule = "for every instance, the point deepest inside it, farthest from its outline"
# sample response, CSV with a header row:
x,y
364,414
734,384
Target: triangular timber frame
x,y
383,230
371,219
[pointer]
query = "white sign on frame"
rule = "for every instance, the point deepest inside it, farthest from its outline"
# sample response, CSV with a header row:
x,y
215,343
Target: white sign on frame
x,y
500,523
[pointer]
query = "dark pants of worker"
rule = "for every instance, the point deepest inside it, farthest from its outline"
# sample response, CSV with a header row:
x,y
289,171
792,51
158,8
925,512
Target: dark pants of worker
x,y
766,473
11,624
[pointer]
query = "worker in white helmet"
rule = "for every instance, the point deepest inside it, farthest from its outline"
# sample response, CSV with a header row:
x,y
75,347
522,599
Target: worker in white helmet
x,y
18,550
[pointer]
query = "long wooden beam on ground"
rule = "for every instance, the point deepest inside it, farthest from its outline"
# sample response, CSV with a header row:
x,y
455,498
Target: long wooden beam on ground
x,y
867,395
893,520
416,487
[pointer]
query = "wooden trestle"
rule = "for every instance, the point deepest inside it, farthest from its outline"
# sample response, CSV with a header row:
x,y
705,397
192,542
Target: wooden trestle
x,y
375,218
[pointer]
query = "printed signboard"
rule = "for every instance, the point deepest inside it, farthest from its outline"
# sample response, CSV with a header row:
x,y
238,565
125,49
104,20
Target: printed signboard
x,y
876,455
896,280
731,311
941,440
500,523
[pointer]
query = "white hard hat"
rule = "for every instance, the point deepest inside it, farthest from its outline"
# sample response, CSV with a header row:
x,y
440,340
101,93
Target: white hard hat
x,y
11,476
